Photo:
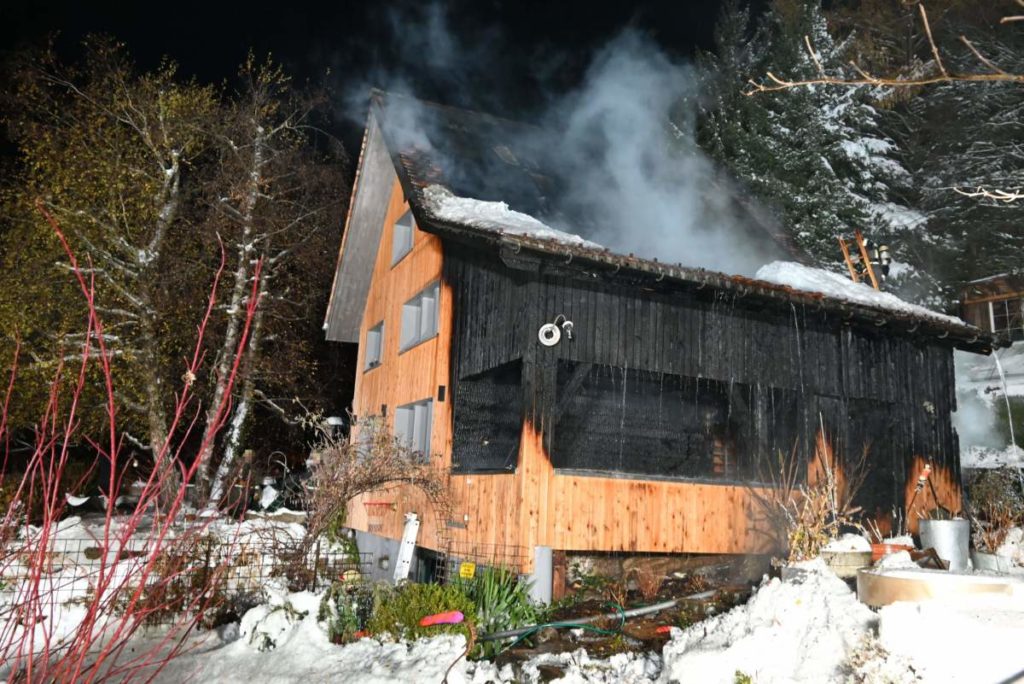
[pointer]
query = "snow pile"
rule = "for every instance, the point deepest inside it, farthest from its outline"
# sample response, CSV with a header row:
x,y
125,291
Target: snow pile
x,y
282,641
578,666
494,216
849,542
836,286
897,561
988,457
974,638
1013,546
801,630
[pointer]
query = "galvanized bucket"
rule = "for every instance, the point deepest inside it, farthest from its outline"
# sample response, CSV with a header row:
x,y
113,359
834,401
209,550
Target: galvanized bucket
x,y
949,538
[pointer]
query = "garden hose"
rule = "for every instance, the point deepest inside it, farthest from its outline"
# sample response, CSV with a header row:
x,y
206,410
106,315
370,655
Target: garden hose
x,y
530,631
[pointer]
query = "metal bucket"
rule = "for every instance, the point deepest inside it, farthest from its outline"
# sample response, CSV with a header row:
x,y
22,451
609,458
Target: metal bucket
x,y
990,562
949,538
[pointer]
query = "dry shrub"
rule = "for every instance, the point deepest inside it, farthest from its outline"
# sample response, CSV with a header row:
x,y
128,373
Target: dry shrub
x,y
371,460
807,513
648,582
995,505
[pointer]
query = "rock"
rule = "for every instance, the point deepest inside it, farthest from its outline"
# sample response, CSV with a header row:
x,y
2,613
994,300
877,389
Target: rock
x,y
545,635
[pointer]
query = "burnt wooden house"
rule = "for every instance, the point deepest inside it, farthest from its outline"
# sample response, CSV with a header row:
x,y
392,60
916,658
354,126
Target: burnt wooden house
x,y
996,305
643,427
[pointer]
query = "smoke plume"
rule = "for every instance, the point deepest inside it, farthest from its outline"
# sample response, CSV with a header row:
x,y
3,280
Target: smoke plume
x,y
620,147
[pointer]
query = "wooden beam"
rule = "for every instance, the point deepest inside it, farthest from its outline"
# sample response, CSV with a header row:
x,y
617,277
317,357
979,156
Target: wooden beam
x,y
849,261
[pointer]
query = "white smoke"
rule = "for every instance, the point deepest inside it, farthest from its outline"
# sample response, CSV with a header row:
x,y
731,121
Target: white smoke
x,y
636,167
621,146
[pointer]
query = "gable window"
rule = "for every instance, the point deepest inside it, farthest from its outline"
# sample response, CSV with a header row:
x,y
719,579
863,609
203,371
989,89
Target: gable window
x,y
401,237
419,317
374,346
1005,318
412,425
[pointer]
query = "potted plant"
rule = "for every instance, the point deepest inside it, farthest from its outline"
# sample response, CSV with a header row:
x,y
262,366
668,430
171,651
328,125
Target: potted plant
x,y
996,508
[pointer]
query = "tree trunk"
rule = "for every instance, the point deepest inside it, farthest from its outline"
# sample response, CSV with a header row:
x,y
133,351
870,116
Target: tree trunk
x,y
244,406
236,315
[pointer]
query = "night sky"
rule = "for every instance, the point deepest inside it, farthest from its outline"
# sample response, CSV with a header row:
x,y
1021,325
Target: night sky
x,y
510,55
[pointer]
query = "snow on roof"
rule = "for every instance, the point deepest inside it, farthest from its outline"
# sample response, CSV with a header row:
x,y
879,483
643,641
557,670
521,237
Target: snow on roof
x,y
836,286
493,216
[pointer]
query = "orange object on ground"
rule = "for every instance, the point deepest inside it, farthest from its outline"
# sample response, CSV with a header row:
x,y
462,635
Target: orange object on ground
x,y
452,617
664,629
878,551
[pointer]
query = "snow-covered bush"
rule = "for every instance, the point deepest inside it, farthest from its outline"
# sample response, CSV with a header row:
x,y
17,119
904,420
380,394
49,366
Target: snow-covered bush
x,y
264,625
345,610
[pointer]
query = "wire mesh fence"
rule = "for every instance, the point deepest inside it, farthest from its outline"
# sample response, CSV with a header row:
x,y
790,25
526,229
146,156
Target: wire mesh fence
x,y
479,555
203,574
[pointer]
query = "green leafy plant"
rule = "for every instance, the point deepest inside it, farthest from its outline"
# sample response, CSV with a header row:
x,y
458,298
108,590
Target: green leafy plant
x,y
503,602
345,609
399,611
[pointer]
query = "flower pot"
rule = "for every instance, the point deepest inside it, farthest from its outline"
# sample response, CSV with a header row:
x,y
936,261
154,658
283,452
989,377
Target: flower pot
x,y
990,562
949,538
879,551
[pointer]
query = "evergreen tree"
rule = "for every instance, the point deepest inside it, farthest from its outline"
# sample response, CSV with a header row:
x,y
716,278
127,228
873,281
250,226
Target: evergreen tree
x,y
818,155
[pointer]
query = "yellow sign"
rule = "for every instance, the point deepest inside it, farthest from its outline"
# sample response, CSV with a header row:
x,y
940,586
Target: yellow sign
x,y
467,570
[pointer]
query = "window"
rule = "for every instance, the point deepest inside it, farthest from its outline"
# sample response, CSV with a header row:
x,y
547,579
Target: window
x,y
419,317
1005,318
374,346
401,237
412,425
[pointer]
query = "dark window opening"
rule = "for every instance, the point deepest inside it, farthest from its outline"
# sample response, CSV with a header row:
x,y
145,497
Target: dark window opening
x,y
488,420
613,420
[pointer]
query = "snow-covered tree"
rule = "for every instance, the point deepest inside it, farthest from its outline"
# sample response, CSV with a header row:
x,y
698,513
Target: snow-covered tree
x,y
819,155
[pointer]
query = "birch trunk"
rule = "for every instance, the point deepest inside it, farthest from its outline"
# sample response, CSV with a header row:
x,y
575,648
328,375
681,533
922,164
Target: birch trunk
x,y
236,311
156,415
244,406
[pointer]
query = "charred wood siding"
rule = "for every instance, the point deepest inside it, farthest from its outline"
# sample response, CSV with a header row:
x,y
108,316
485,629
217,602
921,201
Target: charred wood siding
x,y
892,393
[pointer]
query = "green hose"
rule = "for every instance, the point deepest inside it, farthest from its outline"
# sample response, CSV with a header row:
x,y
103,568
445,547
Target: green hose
x,y
573,625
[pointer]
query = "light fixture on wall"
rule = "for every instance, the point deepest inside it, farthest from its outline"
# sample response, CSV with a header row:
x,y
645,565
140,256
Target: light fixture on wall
x,y
550,334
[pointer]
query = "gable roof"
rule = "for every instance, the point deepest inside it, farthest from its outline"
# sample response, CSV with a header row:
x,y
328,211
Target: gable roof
x,y
479,156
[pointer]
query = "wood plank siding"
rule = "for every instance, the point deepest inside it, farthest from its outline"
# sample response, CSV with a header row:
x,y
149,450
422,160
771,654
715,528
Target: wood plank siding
x,y
514,482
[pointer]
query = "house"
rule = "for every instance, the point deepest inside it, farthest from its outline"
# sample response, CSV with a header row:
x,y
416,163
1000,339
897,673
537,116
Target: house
x,y
579,400
994,304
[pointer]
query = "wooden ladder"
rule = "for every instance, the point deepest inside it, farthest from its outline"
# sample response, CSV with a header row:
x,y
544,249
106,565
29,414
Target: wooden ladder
x,y
865,260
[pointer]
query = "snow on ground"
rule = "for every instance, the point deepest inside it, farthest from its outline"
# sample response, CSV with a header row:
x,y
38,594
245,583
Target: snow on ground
x,y
989,457
849,542
980,390
835,285
807,629
801,630
968,639
494,216
281,641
